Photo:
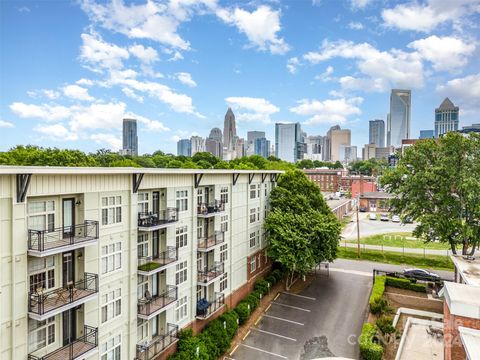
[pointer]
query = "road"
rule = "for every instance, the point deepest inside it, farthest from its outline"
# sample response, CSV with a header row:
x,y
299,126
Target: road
x,y
398,249
373,227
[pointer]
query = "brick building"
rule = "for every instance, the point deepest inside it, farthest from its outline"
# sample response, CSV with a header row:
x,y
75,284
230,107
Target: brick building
x,y
327,179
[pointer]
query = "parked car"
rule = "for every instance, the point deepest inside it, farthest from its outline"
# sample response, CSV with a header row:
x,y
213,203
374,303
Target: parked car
x,y
362,209
384,217
395,218
373,216
420,274
408,220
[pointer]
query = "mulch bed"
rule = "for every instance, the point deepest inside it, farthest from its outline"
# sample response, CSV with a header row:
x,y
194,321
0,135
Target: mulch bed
x,y
390,289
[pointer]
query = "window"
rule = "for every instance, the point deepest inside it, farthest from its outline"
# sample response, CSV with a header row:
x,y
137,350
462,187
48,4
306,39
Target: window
x,y
182,200
111,257
266,187
181,309
41,272
224,195
111,349
265,212
258,214
111,210
112,305
199,261
253,191
199,196
253,239
253,264
142,329
143,202
142,286
223,252
41,215
253,215
181,274
40,333
224,223
142,245
223,281
181,236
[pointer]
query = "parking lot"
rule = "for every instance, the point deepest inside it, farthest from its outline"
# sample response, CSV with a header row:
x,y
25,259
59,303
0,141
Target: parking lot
x,y
373,227
324,320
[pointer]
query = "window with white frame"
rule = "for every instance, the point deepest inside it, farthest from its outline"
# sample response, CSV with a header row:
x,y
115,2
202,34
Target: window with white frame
x,y
111,210
142,245
181,236
266,188
200,223
142,202
223,281
41,215
258,190
224,194
223,252
112,305
181,273
181,309
253,191
253,215
142,329
265,212
182,200
199,196
253,239
142,286
253,264
111,349
41,273
111,257
199,261
224,223
258,214
40,333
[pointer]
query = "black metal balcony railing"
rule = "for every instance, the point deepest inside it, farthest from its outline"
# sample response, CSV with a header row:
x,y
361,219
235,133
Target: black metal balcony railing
x,y
204,276
76,349
41,302
150,263
206,308
207,242
158,344
210,208
146,307
163,217
42,240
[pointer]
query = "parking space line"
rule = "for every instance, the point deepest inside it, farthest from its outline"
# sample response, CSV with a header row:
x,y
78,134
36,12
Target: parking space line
x,y
300,296
274,334
258,320
234,349
248,333
276,297
264,351
268,307
282,319
290,306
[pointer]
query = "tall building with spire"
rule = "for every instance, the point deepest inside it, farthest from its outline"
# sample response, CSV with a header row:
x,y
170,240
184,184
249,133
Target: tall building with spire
x,y
446,118
229,135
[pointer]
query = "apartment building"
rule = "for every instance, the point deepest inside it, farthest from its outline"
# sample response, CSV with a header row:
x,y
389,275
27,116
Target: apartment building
x,y
109,263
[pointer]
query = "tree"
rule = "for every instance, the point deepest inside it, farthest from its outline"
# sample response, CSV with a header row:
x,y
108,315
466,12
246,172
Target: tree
x,y
301,227
436,182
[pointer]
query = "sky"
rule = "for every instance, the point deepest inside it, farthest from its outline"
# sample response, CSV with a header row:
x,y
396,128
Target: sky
x,y
70,71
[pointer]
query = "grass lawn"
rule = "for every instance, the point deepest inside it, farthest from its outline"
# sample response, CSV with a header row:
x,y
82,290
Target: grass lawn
x,y
400,240
148,267
418,260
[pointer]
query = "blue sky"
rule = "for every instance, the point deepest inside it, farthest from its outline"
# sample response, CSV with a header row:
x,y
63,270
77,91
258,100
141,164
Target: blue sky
x,y
71,70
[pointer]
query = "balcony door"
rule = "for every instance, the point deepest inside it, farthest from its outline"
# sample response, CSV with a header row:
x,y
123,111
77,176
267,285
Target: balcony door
x,y
68,217
155,244
69,325
156,202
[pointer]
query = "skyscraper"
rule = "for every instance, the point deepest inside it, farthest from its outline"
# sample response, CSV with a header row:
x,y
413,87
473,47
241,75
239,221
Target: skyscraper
x,y
198,144
252,136
337,140
184,147
315,146
376,132
289,142
262,146
214,144
398,121
427,134
446,118
229,135
130,139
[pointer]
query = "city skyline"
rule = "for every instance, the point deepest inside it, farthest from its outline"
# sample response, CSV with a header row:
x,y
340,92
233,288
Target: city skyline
x,y
100,69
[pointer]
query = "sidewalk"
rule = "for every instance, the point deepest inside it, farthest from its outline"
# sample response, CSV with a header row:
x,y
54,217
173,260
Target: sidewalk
x,y
397,249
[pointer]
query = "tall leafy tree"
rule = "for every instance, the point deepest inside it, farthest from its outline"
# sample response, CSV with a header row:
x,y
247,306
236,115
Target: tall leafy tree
x,y
301,227
437,182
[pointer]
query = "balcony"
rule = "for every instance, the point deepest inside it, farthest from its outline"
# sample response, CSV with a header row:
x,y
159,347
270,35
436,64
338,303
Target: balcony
x,y
158,344
206,277
208,243
154,221
205,309
46,243
80,348
44,304
206,210
149,265
152,306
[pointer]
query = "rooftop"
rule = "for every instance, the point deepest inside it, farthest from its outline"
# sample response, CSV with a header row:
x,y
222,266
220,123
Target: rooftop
x,y
471,341
469,270
376,195
419,342
462,300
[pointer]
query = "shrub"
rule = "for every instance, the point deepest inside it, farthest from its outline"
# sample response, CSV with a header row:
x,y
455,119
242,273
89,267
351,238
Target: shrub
x,y
253,301
377,302
187,347
230,317
242,311
258,294
271,279
277,274
405,284
216,338
385,324
368,349
262,286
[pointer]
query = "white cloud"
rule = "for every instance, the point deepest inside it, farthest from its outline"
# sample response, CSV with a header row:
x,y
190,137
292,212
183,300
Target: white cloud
x,y
95,52
56,132
44,112
426,17
186,78
97,116
445,53
463,91
293,64
50,94
131,94
325,76
147,55
150,125
176,56
114,142
260,26
252,109
360,4
6,124
328,111
355,25
85,82
77,92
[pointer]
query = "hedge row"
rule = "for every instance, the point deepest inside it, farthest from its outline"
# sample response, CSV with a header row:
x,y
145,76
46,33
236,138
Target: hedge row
x,y
368,349
377,302
405,284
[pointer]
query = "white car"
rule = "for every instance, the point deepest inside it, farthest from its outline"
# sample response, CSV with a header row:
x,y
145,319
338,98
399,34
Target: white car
x,y
395,218
373,216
